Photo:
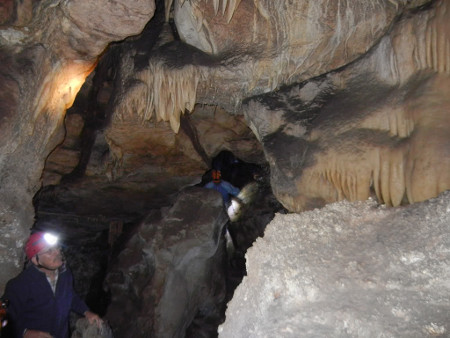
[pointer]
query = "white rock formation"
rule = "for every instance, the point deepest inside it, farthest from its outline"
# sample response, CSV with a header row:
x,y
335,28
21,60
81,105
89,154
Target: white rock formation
x,y
348,270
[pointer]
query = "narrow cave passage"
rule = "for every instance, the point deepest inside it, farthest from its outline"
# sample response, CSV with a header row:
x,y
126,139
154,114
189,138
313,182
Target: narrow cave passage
x,y
109,187
102,190
94,243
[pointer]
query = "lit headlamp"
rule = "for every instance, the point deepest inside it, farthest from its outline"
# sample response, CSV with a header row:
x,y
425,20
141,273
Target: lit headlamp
x,y
39,241
50,239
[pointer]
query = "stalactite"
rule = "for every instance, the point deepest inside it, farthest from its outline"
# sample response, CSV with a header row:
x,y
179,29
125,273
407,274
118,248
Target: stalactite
x,y
376,174
216,6
396,121
227,8
261,9
162,92
351,174
233,5
167,6
224,6
396,176
436,40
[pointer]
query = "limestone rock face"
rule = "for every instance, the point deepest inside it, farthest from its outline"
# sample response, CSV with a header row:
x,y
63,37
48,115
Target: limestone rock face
x,y
318,35
171,270
361,131
244,48
348,270
251,47
91,24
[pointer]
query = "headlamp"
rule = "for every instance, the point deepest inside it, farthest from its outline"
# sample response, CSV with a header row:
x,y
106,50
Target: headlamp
x,y
234,209
50,239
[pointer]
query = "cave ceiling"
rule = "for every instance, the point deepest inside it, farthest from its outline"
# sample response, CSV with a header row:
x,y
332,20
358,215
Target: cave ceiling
x,y
116,106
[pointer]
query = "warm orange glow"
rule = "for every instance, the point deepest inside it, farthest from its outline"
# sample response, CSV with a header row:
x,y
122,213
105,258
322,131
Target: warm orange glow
x,y
69,81
61,86
70,88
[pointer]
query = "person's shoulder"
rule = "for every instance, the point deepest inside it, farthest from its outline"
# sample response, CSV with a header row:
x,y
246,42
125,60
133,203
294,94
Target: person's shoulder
x,y
21,279
64,270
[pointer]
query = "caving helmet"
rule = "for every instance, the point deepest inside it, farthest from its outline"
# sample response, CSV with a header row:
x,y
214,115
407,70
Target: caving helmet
x,y
39,241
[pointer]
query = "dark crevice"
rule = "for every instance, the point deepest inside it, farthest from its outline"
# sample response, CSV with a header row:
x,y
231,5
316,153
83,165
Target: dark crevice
x,y
189,129
96,114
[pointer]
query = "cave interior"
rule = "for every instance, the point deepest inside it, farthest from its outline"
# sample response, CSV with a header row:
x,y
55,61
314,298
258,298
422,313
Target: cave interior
x,y
120,173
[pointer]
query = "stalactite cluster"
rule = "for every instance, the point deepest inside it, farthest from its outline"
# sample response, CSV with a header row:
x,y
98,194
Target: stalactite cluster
x,y
437,44
226,7
421,45
163,91
384,153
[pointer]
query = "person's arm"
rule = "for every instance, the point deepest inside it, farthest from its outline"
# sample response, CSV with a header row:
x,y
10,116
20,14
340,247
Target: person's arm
x,y
236,191
36,334
231,189
16,299
80,307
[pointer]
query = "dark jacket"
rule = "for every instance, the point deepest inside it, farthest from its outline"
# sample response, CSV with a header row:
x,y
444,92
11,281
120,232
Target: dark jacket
x,y
32,304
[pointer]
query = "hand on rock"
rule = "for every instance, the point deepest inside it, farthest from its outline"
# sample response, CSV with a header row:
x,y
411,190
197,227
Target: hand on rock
x,y
93,318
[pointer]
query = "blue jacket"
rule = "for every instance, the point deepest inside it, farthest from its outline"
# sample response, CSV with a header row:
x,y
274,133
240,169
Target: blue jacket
x,y
225,188
32,304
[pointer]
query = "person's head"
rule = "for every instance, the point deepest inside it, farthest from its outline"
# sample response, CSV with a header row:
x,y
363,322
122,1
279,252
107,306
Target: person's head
x,y
216,176
43,250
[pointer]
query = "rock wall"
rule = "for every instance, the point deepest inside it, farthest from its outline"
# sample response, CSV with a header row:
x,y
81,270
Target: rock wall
x,y
47,50
171,270
348,270
245,48
362,131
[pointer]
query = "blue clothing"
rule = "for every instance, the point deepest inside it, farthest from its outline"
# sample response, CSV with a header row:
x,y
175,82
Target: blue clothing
x,y
34,306
225,188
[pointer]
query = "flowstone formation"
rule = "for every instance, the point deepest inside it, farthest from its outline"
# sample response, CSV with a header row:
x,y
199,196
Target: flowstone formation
x,y
362,131
230,50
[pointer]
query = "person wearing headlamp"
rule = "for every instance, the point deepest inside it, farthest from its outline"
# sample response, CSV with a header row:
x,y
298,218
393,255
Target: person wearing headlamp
x,y
42,296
